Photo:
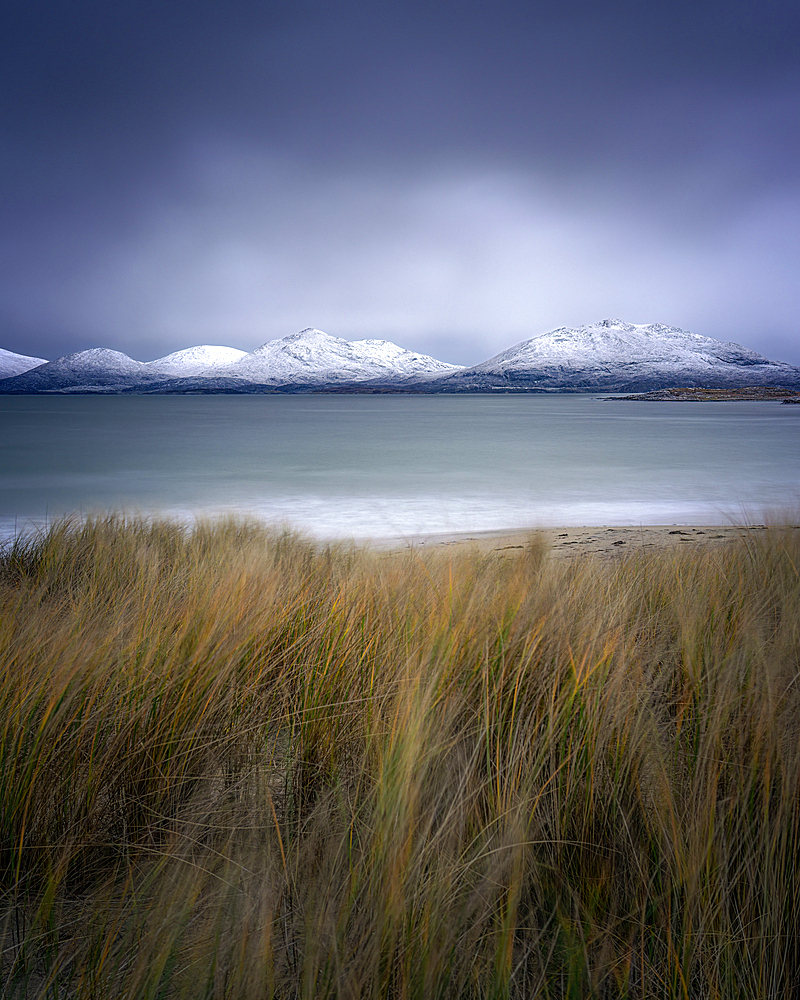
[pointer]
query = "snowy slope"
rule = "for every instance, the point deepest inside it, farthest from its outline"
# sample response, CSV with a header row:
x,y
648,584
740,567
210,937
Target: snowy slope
x,y
309,358
104,368
86,369
312,357
194,360
15,364
616,356
610,356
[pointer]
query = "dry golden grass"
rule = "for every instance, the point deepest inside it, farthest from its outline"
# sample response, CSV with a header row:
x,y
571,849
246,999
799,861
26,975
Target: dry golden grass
x,y
234,765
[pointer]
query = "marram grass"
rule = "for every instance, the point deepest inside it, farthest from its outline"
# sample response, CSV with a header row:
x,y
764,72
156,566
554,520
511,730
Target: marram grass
x,y
233,764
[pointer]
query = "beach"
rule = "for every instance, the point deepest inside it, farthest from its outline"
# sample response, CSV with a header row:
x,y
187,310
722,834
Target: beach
x,y
403,468
604,541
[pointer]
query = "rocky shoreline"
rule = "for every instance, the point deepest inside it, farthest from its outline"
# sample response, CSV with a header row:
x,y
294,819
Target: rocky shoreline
x,y
755,393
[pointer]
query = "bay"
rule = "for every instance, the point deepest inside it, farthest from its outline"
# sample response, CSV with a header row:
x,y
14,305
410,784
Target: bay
x,y
398,466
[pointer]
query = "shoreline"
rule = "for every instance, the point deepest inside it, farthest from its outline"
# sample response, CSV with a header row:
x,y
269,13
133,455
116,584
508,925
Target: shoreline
x,y
603,540
560,541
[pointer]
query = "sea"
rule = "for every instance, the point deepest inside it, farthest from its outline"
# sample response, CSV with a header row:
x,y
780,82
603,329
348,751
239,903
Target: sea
x,y
398,466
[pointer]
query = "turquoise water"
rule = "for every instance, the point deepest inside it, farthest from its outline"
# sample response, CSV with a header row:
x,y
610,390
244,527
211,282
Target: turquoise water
x,y
388,466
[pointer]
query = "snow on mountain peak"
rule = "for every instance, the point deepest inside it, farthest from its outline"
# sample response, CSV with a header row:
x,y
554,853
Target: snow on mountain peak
x,y
193,360
98,358
15,364
98,366
610,354
619,356
315,356
614,342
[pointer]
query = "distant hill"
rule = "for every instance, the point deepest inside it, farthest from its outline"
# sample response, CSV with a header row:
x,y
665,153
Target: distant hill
x,y
15,364
614,356
609,356
101,369
312,357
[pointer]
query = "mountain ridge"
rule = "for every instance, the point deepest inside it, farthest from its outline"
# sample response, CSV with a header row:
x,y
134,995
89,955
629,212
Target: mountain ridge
x,y
610,356
615,356
17,364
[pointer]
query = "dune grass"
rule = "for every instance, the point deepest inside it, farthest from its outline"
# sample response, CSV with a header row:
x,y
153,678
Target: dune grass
x,y
233,764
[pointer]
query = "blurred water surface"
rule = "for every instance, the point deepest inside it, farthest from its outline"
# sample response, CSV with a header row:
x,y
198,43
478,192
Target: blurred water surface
x,y
395,466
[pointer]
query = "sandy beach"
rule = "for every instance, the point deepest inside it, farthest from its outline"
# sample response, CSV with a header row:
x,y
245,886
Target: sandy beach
x,y
565,542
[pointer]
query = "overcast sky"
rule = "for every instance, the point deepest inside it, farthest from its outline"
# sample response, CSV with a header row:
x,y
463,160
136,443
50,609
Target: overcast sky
x,y
452,176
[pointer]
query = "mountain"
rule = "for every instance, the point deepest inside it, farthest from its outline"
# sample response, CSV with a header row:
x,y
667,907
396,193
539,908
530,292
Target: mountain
x,y
195,360
614,356
312,357
85,370
15,364
101,369
610,356
309,359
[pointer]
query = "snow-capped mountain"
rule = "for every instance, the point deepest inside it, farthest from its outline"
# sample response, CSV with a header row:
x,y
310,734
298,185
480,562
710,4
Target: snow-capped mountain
x,y
107,370
312,357
85,370
610,356
615,356
194,360
15,364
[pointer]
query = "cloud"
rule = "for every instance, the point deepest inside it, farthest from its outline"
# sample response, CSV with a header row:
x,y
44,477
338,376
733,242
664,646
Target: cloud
x,y
250,246
452,176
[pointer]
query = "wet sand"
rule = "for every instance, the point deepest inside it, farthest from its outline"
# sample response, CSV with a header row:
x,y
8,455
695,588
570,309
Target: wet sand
x,y
603,541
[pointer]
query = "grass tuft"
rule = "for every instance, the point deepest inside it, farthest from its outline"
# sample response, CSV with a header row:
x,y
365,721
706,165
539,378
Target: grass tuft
x,y
235,764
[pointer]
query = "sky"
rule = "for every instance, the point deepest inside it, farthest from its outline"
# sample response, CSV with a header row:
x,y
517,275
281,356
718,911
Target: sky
x,y
452,175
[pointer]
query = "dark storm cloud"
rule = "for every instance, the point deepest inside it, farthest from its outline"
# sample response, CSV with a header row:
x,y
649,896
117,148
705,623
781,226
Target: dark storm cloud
x,y
453,175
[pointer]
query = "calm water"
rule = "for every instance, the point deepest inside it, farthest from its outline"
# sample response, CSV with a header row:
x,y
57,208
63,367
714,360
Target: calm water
x,y
382,466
